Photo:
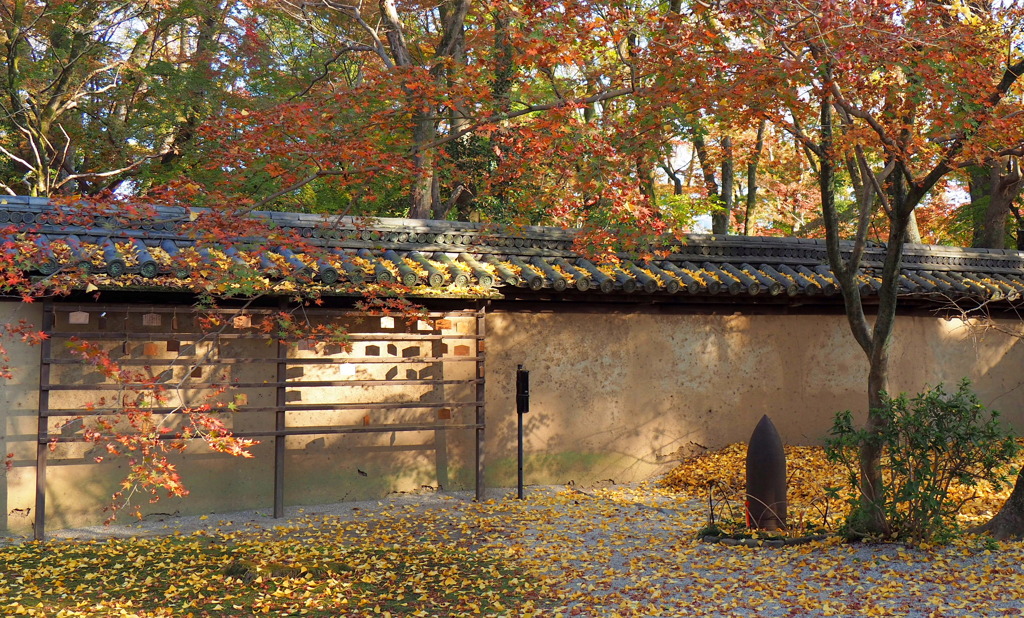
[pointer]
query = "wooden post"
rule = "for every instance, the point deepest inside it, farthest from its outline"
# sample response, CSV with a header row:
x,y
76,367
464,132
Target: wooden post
x,y
481,331
42,431
440,434
279,425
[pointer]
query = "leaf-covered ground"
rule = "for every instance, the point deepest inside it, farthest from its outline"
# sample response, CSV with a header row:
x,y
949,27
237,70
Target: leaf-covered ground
x,y
627,551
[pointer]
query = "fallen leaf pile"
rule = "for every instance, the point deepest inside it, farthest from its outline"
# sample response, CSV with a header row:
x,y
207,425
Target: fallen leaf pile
x,y
629,551
721,475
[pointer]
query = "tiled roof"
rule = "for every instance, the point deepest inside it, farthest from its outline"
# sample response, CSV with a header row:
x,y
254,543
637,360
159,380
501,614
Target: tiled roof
x,y
451,258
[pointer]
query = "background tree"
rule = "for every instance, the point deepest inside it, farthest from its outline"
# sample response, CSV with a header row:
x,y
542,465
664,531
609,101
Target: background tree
x,y
462,107
99,93
994,188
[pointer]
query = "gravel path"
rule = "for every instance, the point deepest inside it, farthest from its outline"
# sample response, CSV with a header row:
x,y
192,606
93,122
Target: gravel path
x,y
632,551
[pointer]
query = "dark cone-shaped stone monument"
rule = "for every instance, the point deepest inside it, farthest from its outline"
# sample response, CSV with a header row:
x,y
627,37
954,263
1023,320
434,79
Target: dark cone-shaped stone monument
x,y
766,478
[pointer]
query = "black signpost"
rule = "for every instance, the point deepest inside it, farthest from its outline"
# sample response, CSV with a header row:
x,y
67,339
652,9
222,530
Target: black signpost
x,y
522,407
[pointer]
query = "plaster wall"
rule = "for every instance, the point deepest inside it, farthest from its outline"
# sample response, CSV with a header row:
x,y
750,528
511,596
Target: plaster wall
x,y
615,395
19,405
625,395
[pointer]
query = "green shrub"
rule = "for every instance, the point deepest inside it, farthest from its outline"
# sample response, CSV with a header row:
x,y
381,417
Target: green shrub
x,y
929,443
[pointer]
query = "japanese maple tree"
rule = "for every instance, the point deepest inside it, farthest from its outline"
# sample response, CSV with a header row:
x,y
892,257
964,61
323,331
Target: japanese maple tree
x,y
895,95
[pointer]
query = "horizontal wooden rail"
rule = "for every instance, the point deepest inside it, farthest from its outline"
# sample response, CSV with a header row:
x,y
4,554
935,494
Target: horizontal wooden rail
x,y
327,407
209,338
286,384
316,431
182,361
334,313
302,431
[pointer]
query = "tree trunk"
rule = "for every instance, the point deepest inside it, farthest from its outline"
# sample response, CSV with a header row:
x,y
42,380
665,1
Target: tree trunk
x,y
421,198
993,190
721,221
677,181
913,232
503,56
710,184
870,455
196,102
980,187
755,158
645,178
872,486
1008,523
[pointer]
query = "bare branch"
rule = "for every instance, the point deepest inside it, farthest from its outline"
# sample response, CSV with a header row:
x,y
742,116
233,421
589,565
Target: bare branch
x,y
106,174
10,155
528,109
327,67
877,179
301,183
856,112
300,11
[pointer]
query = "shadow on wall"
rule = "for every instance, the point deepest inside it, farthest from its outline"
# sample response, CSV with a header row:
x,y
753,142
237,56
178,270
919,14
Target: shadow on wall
x,y
624,395
990,357
351,467
19,404
419,375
